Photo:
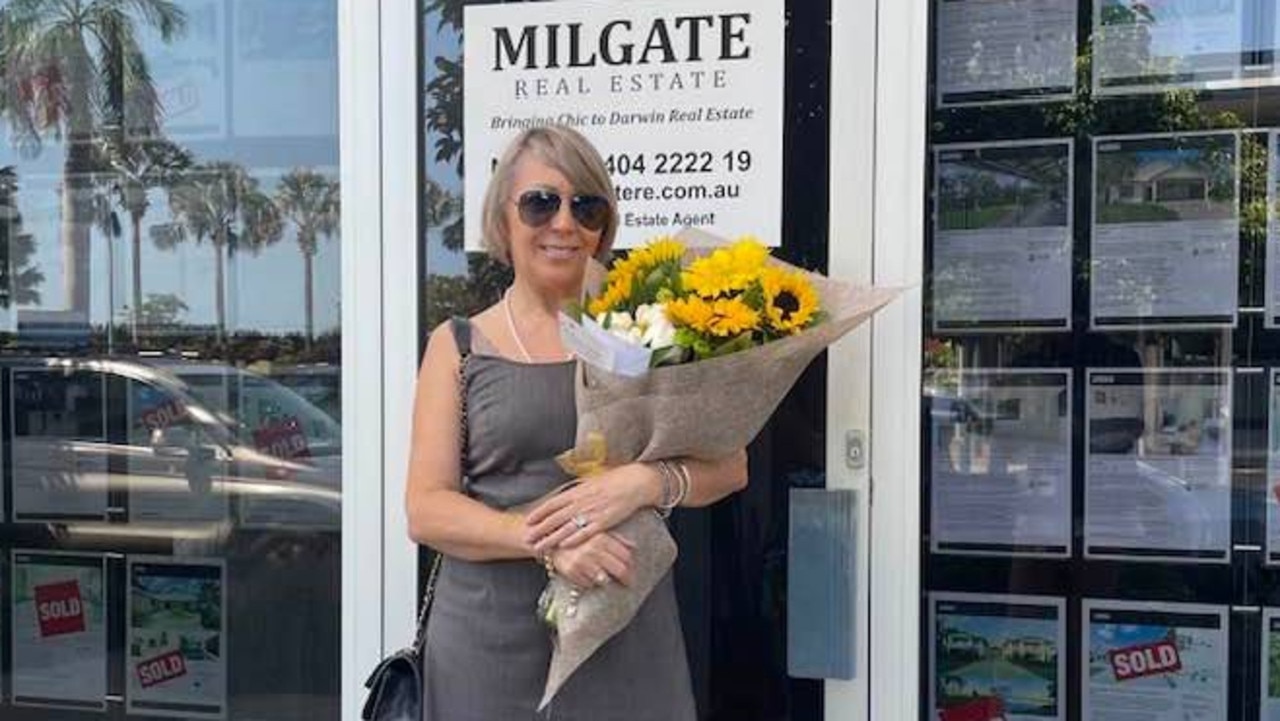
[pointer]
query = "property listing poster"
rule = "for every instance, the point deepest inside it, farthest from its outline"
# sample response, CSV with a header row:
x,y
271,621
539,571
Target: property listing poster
x,y
176,663
1153,661
1273,468
1141,46
59,639
1166,231
996,657
174,486
58,418
1273,230
1002,236
1158,464
1000,462
1270,664
683,97
1005,50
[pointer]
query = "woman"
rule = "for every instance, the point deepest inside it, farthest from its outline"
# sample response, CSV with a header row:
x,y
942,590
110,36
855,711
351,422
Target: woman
x,y
549,208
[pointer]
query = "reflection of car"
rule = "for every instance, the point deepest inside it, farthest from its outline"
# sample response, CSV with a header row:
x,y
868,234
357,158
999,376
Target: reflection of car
x,y
321,385
169,441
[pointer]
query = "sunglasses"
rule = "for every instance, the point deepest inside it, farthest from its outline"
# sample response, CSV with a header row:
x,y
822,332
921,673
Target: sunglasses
x,y
538,207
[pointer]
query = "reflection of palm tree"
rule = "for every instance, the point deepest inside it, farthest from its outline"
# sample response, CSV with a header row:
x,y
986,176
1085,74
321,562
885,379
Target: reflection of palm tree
x,y
136,167
311,202
19,280
220,203
65,69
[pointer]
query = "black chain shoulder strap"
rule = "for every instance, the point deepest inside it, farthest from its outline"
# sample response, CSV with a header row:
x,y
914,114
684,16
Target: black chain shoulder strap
x,y
461,328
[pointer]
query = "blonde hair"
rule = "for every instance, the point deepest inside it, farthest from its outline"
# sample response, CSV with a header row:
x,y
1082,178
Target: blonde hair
x,y
573,156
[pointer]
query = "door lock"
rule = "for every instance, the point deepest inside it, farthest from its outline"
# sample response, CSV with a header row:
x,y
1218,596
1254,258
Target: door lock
x,y
855,450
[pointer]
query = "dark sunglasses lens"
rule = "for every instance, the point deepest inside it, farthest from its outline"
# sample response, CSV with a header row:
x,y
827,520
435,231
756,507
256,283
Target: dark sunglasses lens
x,y
591,211
537,207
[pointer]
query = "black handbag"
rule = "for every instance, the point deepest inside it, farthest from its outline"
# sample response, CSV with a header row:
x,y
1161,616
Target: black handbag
x,y
395,686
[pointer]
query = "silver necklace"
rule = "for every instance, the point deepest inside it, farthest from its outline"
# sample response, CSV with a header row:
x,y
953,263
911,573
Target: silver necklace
x,y
511,326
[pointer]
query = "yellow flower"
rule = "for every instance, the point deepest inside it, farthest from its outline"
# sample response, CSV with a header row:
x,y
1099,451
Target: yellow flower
x,y
789,299
727,270
615,294
722,317
663,249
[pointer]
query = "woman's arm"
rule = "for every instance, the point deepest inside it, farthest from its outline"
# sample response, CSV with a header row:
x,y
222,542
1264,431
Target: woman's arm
x,y
602,502
439,514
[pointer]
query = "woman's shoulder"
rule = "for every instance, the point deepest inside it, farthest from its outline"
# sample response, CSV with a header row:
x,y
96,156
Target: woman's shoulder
x,y
481,324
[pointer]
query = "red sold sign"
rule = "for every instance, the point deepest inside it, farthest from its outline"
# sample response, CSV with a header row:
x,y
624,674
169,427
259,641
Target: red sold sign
x,y
161,668
283,439
59,608
163,415
1149,659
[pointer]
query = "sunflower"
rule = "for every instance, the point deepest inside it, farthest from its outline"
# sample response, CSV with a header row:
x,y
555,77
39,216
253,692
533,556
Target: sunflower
x,y
721,317
616,293
727,270
790,301
663,249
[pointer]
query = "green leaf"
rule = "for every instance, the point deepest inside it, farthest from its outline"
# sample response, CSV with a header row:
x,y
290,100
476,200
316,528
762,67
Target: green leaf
x,y
733,345
669,356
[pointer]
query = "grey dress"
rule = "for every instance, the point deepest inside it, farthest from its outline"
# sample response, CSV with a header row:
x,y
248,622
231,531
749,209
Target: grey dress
x,y
487,652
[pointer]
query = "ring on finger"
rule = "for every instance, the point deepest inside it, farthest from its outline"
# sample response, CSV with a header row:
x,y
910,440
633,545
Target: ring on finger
x,y
580,520
602,579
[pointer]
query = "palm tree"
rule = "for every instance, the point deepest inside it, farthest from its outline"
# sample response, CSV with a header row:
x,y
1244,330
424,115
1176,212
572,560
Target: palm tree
x,y
19,279
135,167
311,201
220,203
67,68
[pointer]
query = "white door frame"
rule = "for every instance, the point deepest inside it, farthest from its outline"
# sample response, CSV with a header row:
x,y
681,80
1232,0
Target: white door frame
x,y
879,51
377,69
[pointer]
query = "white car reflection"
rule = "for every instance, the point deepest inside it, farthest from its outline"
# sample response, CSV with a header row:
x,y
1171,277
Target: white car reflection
x,y
168,444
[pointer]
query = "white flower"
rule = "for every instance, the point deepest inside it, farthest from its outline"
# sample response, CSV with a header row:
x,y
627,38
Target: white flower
x,y
647,314
660,333
620,320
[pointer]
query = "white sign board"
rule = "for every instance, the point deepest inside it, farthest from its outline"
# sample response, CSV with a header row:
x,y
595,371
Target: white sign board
x,y
683,99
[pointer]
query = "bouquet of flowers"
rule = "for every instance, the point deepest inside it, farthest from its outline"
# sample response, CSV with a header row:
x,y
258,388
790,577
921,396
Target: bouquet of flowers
x,y
687,345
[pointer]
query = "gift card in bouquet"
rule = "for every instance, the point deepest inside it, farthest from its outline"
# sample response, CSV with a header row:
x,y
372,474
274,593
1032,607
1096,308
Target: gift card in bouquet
x,y
593,344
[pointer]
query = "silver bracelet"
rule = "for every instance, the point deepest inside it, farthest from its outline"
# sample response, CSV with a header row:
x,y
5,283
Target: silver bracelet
x,y
670,485
686,481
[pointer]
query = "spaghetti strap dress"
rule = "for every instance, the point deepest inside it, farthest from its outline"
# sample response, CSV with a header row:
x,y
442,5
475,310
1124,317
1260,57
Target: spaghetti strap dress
x,y
486,650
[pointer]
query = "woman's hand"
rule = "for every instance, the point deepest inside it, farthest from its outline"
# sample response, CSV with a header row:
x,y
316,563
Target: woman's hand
x,y
594,506
601,558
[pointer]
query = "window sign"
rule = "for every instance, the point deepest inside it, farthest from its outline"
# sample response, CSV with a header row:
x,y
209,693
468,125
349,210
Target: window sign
x,y
1270,664
59,641
682,98
992,51
1158,464
59,444
1000,452
176,662
1166,231
1002,237
1153,661
997,657
1148,46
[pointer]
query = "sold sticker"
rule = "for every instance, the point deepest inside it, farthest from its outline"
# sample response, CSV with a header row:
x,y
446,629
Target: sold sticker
x,y
59,608
1149,659
283,439
163,415
161,668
